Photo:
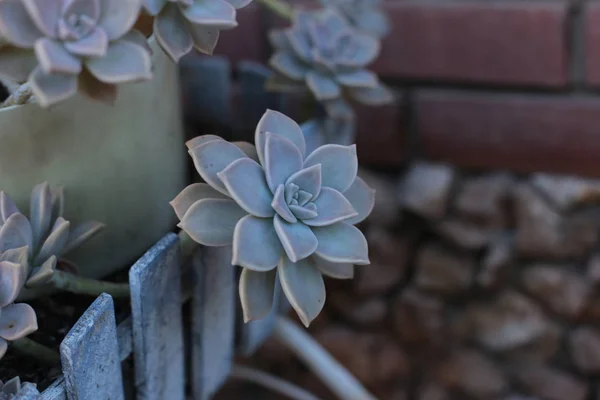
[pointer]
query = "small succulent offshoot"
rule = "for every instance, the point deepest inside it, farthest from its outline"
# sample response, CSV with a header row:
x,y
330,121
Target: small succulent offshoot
x,y
181,25
323,53
14,387
365,15
47,235
61,47
287,213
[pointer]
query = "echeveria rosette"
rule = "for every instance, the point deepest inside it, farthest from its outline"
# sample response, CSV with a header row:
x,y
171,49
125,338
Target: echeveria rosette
x,y
181,25
365,15
13,387
62,46
46,234
322,52
287,213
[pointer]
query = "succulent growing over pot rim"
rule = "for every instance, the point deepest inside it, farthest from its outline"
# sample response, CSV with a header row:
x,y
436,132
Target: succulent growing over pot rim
x,y
46,233
181,25
287,213
12,387
365,15
62,46
324,53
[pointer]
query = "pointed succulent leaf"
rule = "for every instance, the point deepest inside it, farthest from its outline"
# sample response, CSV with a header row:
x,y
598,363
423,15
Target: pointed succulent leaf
x,y
93,45
256,293
16,232
332,270
55,242
55,59
376,96
198,140
211,222
16,63
322,86
40,211
237,4
288,65
248,149
279,124
340,112
359,78
153,7
304,212
138,38
19,256
279,40
3,348
300,44
246,183
342,243
256,245
52,88
308,179
43,273
215,13
297,239
7,207
191,194
332,207
171,33
303,286
117,17
362,198
282,160
358,50
212,157
90,8
58,202
11,282
17,321
124,61
373,22
12,386
16,26
205,38
81,234
339,165
280,205
44,14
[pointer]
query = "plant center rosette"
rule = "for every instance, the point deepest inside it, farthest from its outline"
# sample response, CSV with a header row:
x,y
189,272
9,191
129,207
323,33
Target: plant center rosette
x,y
286,213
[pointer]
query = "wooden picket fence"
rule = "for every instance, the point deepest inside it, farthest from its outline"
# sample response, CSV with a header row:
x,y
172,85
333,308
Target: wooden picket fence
x,y
93,351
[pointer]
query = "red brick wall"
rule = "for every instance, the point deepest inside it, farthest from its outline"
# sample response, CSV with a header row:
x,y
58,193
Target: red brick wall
x,y
497,83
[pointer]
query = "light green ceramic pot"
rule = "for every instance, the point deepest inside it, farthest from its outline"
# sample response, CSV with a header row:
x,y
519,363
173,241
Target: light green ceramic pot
x,y
119,164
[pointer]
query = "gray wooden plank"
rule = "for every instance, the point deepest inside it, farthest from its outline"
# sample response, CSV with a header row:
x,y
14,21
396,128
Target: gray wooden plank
x,y
90,355
56,391
254,333
155,281
213,325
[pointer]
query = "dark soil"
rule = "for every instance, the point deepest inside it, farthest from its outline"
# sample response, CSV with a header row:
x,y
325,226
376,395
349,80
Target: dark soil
x,y
56,315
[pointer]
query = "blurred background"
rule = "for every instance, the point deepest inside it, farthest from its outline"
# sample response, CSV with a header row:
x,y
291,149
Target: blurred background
x,y
485,274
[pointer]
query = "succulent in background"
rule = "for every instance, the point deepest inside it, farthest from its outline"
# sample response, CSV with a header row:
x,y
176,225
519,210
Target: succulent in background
x,y
47,234
321,131
286,212
365,15
16,320
323,52
181,25
13,387
62,46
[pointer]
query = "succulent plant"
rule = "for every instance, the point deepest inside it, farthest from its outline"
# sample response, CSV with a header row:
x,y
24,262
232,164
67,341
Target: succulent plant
x,y
322,52
47,235
287,213
16,320
14,387
321,131
365,15
62,46
181,25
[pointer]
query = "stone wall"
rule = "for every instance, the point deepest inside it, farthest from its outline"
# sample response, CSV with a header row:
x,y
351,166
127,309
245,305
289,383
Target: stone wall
x,y
482,286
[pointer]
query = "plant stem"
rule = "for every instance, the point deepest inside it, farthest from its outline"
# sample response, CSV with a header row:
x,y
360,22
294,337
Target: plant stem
x,y
80,285
21,95
36,350
271,382
332,373
279,7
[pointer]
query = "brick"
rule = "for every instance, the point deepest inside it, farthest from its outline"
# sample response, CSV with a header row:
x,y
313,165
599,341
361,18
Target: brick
x,y
524,133
592,43
380,140
518,43
248,40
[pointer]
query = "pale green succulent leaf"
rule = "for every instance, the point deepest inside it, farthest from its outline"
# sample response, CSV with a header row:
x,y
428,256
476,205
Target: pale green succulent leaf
x,y
138,38
308,179
205,38
256,245
50,89
297,239
81,234
54,58
17,321
7,207
191,194
249,149
362,198
117,17
214,13
211,222
239,3
361,78
42,274
280,205
279,124
171,33
44,14
198,140
55,242
11,282
322,86
332,207
304,212
124,61
339,165
288,65
256,290
331,269
153,7
3,348
16,232
40,212
303,286
282,160
16,26
93,45
342,243
12,386
358,50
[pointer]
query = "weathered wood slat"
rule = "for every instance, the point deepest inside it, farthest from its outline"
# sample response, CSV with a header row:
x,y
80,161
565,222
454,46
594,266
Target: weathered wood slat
x,y
155,281
90,355
213,325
